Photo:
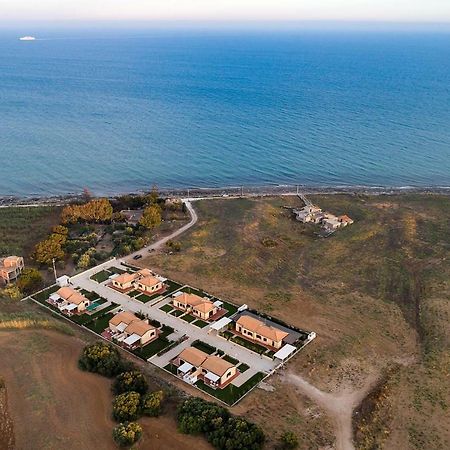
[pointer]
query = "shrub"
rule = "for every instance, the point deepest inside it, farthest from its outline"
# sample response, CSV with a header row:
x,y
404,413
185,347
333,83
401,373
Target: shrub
x,y
151,403
130,381
30,281
289,440
126,406
101,358
151,217
127,433
223,431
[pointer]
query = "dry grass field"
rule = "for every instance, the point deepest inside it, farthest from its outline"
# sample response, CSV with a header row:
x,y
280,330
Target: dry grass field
x,y
377,294
47,403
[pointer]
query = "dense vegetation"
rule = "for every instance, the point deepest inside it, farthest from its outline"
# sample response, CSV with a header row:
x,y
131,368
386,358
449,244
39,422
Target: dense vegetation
x,y
102,358
222,430
127,433
130,381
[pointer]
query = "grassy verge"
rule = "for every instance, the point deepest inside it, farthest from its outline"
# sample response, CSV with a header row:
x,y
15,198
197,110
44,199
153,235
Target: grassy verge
x,y
231,394
250,345
231,360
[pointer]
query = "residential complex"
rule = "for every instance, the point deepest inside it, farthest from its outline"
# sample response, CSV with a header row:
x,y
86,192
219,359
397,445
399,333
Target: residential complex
x,y
314,214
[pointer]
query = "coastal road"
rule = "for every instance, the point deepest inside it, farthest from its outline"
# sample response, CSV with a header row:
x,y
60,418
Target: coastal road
x,y
158,244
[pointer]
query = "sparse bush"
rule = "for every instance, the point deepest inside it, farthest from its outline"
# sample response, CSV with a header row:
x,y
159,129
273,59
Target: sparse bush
x,y
151,403
127,433
30,281
289,440
130,381
126,406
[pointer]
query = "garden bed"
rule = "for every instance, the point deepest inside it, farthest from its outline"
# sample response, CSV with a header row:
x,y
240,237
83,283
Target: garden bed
x,y
204,347
177,313
188,318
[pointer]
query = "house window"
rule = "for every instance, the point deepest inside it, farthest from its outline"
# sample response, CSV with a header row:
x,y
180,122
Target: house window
x,y
265,339
258,336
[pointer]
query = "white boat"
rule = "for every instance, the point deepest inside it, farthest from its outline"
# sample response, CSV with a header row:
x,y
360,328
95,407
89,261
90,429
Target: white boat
x,y
27,38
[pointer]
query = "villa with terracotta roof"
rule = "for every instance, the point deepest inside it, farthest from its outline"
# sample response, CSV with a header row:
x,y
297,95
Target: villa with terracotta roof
x,y
10,268
130,331
69,301
143,280
201,307
256,330
149,284
193,364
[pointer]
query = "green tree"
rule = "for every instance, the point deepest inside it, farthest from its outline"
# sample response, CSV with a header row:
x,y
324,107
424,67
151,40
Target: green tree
x,y
126,406
60,229
289,440
127,433
30,281
49,248
102,358
11,291
151,217
130,381
84,261
151,403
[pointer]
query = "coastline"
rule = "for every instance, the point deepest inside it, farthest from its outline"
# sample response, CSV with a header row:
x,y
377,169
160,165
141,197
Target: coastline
x,y
230,191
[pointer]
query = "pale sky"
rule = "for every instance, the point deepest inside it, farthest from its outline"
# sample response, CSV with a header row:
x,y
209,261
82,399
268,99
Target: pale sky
x,y
223,10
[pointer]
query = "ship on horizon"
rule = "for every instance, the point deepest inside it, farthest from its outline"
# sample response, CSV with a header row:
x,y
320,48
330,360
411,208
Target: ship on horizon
x,y
27,38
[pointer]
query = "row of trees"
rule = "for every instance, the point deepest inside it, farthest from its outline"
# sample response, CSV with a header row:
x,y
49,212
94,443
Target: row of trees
x,y
97,210
130,386
223,430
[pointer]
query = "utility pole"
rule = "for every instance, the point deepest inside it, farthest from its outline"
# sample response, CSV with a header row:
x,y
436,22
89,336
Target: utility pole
x,y
188,194
54,269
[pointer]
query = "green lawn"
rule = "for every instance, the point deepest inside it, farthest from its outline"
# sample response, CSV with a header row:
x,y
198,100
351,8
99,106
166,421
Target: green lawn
x,y
200,323
45,294
176,313
250,345
171,368
101,276
204,347
166,330
166,308
230,308
152,348
172,286
231,360
231,394
227,335
113,269
243,367
100,324
144,298
191,290
134,293
188,318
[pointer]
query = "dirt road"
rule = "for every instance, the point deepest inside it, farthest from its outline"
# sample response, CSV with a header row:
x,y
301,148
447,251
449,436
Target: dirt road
x,y
339,406
158,244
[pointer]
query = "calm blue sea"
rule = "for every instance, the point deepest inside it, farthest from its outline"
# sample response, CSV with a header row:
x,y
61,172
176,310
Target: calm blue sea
x,y
121,112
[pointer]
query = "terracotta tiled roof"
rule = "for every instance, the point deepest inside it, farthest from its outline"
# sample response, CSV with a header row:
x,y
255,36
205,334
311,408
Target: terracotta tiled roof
x,y
125,277
149,281
216,365
259,327
201,304
124,316
71,295
138,327
193,356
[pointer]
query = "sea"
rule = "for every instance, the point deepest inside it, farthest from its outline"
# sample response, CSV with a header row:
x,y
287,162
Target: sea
x,y
120,111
